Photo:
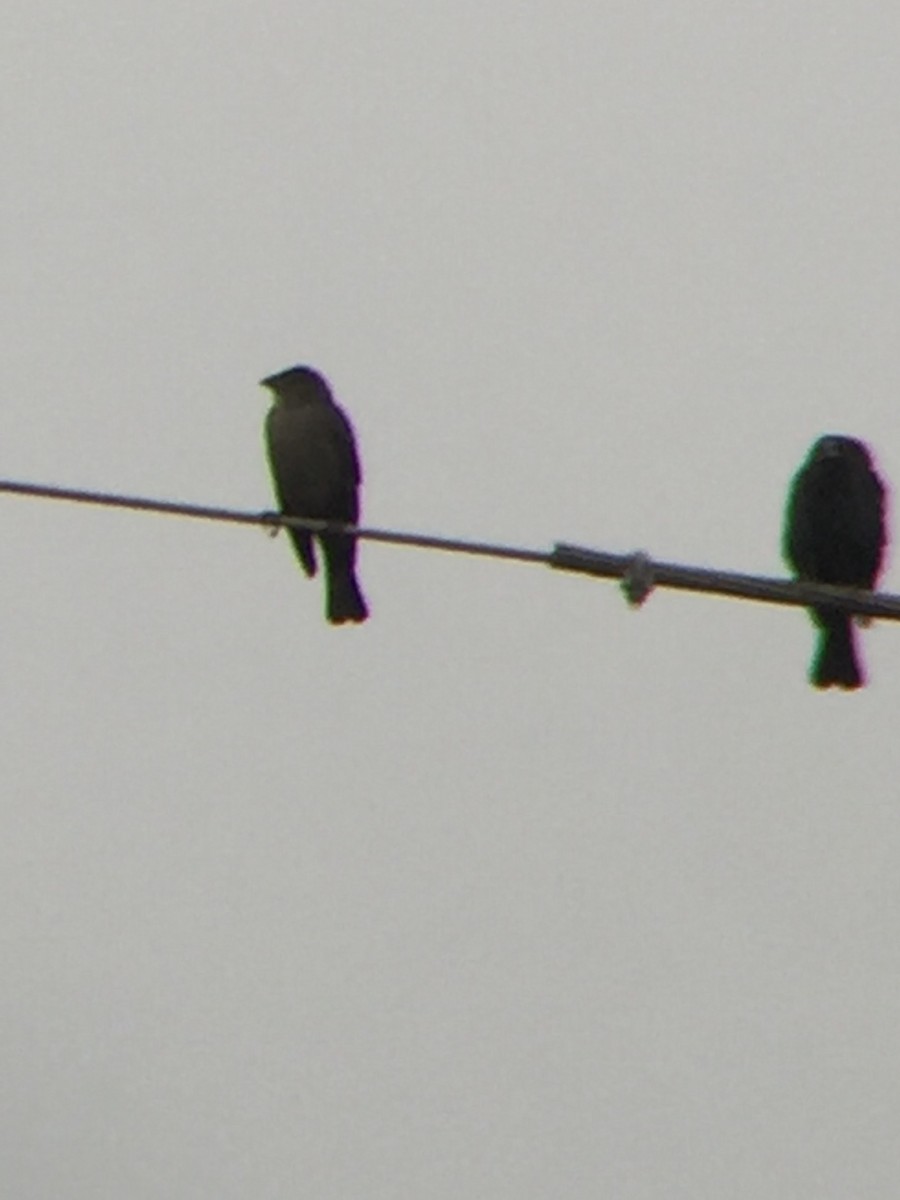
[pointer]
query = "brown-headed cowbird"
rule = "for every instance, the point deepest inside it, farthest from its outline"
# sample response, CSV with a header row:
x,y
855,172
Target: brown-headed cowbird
x,y
834,532
316,473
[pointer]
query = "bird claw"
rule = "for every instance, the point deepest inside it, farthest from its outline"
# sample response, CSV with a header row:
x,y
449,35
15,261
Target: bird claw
x,y
637,581
271,523
863,620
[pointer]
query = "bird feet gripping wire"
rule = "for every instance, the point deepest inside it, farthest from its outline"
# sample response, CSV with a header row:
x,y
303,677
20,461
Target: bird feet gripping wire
x,y
637,579
271,522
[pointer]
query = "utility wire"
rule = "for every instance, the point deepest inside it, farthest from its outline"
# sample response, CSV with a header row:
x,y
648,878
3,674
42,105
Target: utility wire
x,y
639,573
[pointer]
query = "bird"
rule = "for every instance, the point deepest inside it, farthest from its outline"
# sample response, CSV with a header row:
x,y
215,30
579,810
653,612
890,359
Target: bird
x,y
316,473
834,532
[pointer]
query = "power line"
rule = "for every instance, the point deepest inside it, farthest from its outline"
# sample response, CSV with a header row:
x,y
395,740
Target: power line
x,y
638,572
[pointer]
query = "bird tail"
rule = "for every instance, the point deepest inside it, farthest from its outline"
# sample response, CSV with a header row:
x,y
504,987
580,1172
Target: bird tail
x,y
344,599
836,663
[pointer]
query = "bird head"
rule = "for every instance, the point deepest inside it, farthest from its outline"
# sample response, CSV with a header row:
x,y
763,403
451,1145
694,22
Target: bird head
x,y
834,447
297,383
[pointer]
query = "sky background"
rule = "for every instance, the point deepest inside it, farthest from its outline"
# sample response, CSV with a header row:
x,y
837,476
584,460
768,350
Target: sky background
x,y
511,892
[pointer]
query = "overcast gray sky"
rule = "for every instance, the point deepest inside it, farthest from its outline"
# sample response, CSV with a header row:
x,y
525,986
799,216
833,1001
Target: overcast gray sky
x,y
511,892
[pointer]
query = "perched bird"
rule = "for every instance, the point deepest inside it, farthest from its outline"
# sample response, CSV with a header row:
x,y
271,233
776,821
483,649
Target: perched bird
x,y
834,532
316,473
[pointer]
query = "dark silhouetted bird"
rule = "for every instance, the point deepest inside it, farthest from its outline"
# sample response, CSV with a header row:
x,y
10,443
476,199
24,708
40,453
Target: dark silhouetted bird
x,y
834,532
316,473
